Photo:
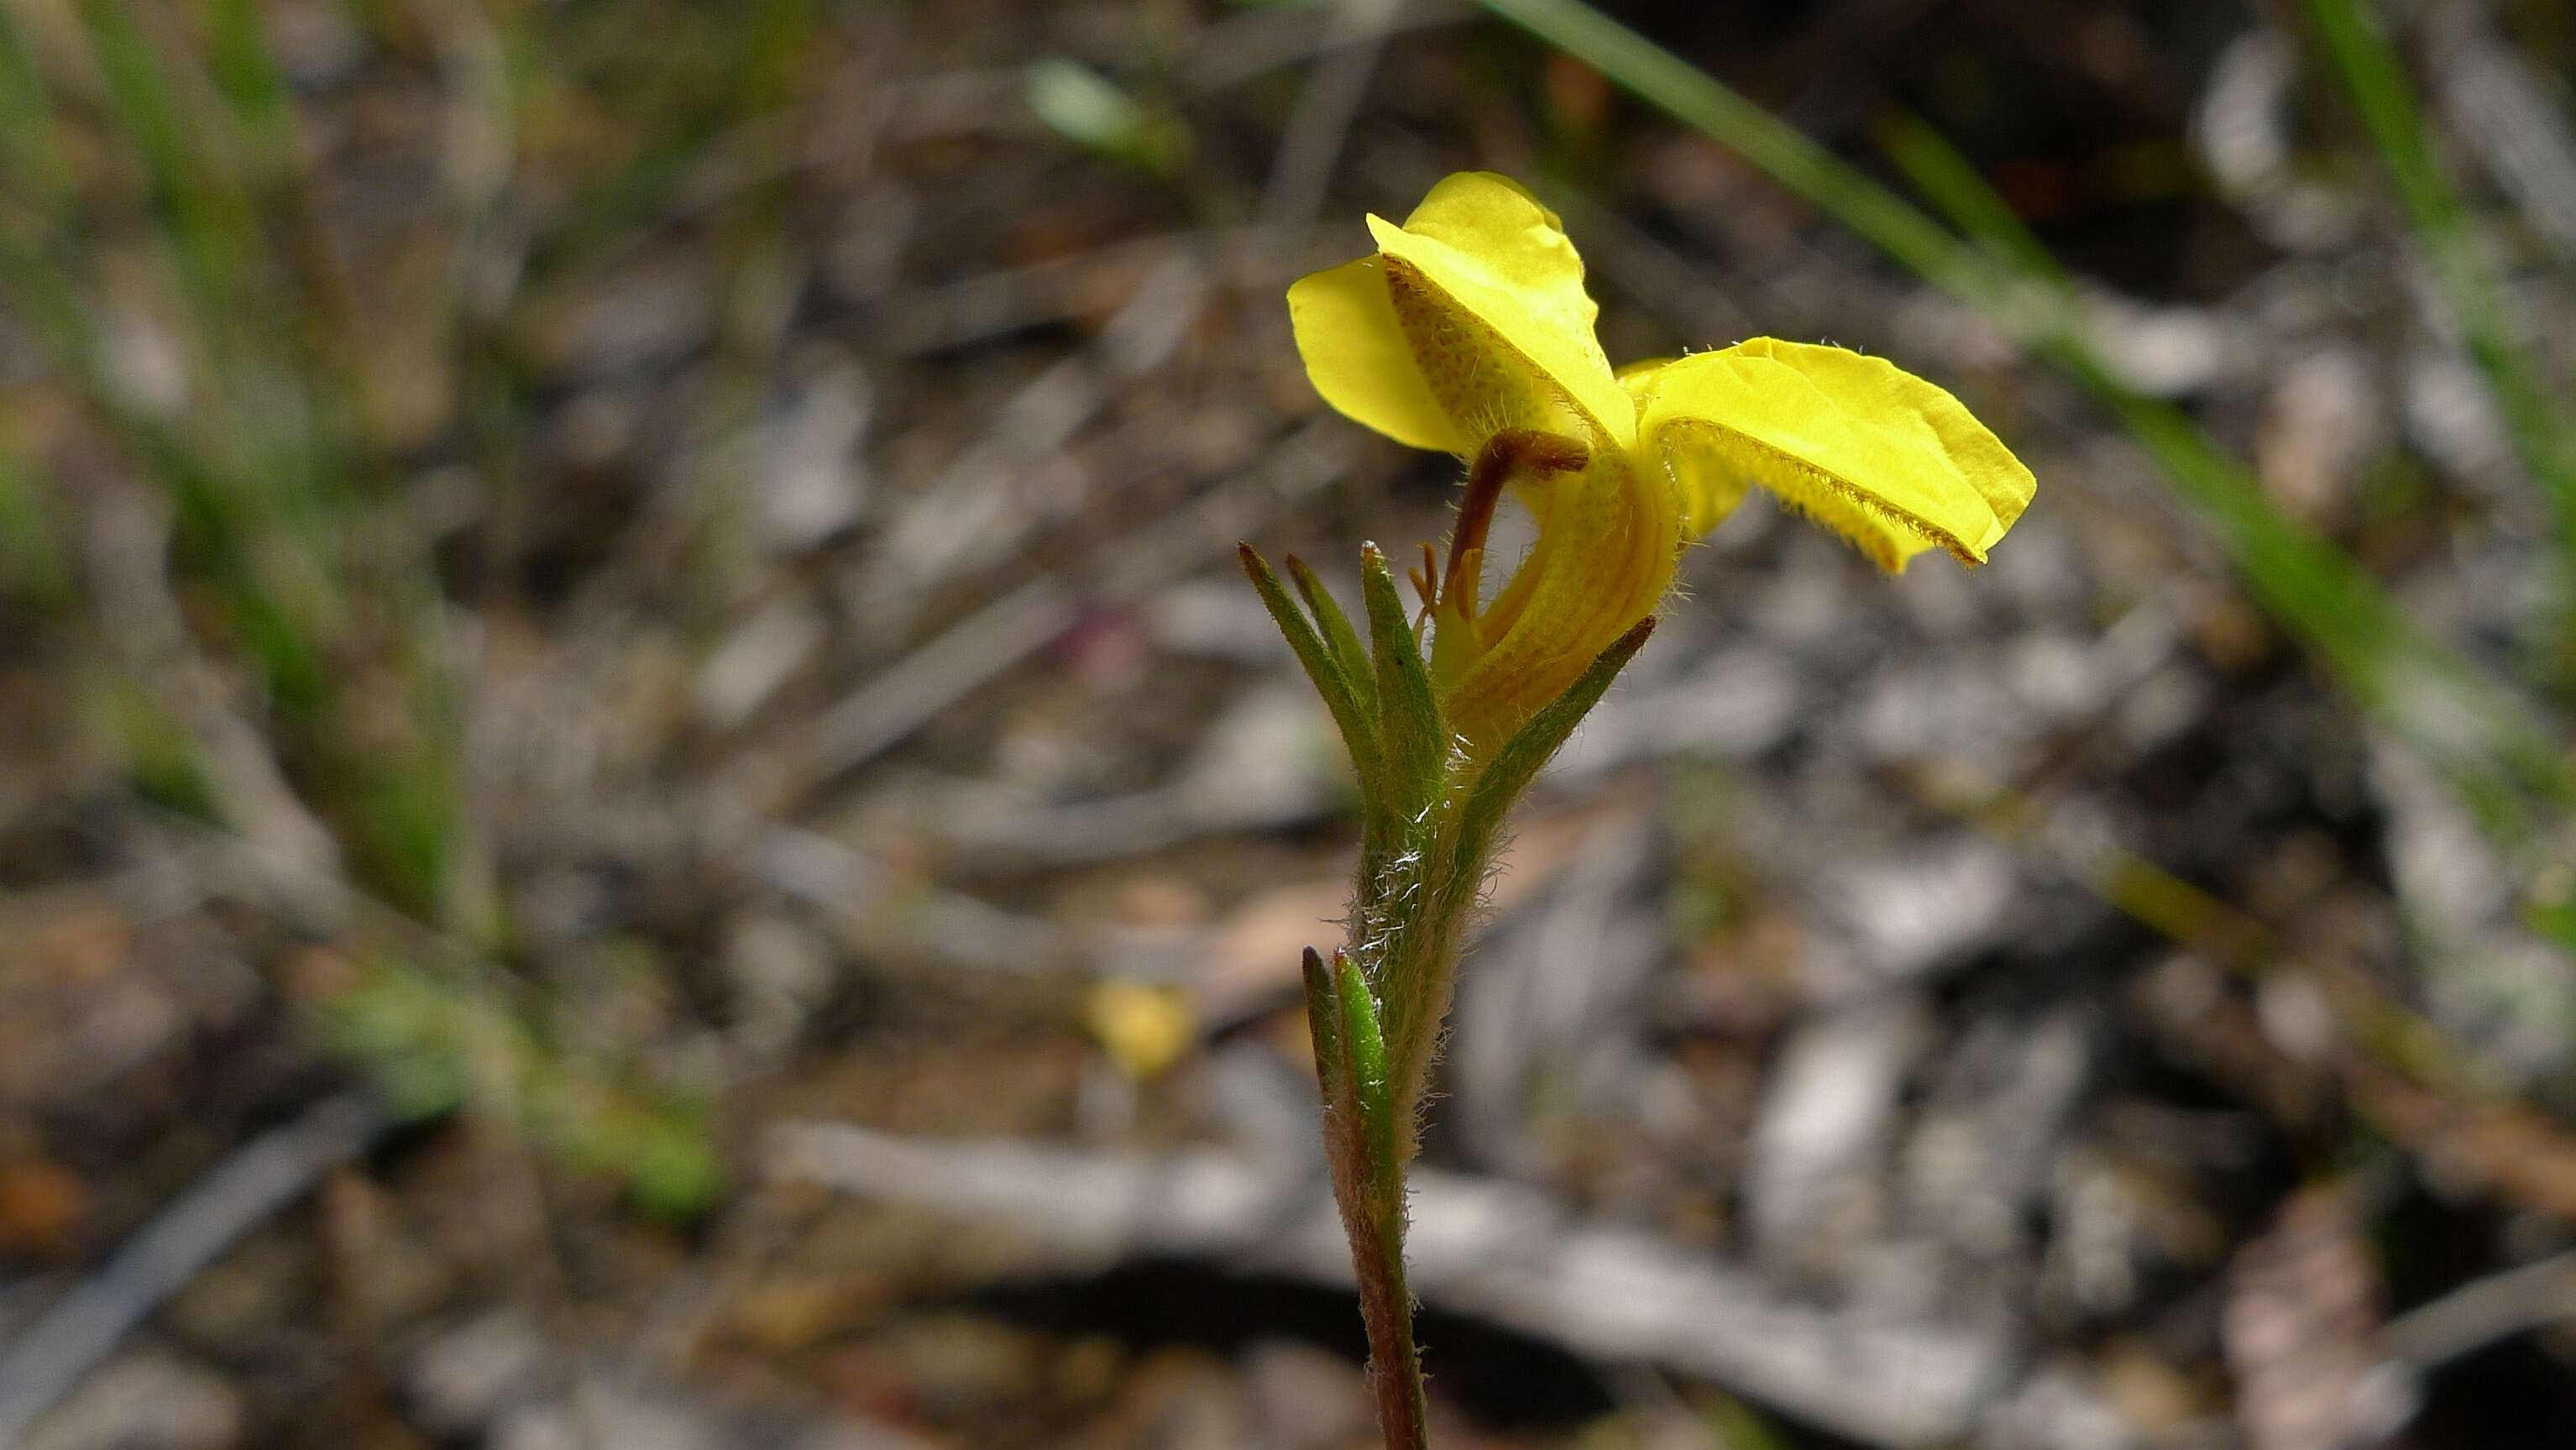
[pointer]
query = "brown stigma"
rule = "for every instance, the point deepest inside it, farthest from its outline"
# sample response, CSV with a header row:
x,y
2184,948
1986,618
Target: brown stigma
x,y
1505,456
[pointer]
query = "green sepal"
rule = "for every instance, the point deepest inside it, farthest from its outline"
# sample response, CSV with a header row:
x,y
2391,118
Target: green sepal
x,y
1381,832
1415,742
1338,634
1518,763
1353,714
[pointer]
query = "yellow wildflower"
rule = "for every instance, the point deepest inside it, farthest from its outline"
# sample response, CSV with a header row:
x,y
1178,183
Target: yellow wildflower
x,y
1469,332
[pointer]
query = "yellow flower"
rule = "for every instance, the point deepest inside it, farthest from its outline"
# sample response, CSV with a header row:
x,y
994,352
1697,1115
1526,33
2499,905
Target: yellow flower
x,y
1469,332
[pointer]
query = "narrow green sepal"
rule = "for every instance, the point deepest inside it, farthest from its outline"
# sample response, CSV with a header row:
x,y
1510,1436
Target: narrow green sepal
x,y
1343,640
1415,742
1381,833
1323,664
1518,763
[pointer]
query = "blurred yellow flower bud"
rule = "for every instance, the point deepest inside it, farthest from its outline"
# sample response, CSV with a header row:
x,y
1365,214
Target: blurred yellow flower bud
x,y
1143,1028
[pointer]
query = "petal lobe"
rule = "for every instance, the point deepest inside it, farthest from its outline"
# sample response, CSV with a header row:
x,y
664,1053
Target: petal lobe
x,y
1880,456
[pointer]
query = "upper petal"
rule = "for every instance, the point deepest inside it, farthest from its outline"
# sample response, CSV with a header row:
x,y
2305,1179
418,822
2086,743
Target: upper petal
x,y
1881,456
1485,249
1357,356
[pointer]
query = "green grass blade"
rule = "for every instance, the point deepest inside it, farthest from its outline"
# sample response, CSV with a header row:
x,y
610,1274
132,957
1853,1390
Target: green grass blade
x,y
34,161
1938,170
2482,734
263,108
200,203
1707,105
2483,737
2541,427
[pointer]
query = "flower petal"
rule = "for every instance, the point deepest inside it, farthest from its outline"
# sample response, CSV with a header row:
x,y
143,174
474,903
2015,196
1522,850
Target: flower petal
x,y
1491,294
1705,490
1603,560
1880,456
1357,357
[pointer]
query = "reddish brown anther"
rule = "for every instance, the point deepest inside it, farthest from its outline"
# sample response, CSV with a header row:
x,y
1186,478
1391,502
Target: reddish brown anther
x,y
1425,579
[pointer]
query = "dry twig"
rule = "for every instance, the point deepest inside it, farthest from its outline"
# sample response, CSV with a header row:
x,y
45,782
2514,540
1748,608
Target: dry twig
x,y
1477,1246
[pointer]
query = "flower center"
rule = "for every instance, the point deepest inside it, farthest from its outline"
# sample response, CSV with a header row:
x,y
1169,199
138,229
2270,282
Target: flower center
x,y
1450,595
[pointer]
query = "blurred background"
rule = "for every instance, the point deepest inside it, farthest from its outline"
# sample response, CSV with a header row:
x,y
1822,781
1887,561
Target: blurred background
x,y
640,805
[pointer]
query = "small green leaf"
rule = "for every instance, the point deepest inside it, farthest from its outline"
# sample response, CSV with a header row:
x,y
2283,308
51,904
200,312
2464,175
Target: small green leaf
x,y
1346,1135
1363,1053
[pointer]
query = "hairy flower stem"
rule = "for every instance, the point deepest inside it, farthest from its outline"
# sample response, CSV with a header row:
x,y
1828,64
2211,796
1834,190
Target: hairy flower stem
x,y
1470,333
1410,950
1431,819
1386,1309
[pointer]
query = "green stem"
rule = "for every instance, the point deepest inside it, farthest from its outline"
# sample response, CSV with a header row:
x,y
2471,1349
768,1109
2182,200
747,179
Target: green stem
x,y
1429,836
1395,1363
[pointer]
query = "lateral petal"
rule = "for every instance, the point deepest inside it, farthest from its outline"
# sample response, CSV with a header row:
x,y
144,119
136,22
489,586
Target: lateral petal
x,y
1887,460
